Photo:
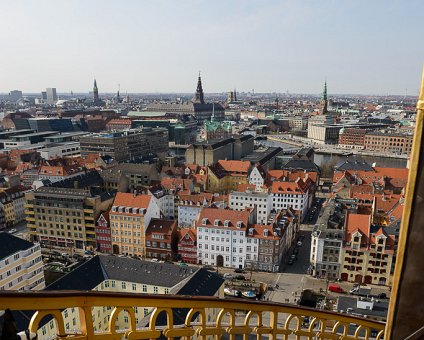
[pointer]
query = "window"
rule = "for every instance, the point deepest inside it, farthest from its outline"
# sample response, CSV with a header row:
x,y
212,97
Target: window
x,y
155,290
144,288
124,285
134,286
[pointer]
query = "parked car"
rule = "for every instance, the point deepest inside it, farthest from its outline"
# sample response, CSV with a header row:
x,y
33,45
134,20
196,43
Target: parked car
x,y
12,231
299,243
209,267
239,270
240,277
183,264
333,287
382,296
228,276
290,262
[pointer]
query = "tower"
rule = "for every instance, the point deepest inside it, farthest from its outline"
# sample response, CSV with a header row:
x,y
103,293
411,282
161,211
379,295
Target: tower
x,y
235,95
324,99
95,92
199,92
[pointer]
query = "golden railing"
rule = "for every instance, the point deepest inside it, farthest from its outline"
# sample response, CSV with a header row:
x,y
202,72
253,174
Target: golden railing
x,y
233,317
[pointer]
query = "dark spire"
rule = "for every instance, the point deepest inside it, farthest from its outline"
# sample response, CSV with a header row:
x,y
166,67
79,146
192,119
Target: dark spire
x,y
324,100
95,92
199,92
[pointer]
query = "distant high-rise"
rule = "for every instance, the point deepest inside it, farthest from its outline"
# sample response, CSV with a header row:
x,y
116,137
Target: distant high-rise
x,y
15,95
44,95
199,98
95,93
51,95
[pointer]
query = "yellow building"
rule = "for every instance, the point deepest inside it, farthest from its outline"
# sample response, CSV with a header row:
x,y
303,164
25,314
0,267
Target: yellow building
x,y
225,176
368,250
129,216
125,275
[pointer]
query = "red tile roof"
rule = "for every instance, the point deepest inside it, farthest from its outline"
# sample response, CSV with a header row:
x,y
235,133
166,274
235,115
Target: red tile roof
x,y
357,222
123,199
286,188
235,166
210,215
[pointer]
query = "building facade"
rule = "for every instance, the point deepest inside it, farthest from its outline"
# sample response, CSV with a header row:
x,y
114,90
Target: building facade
x,y
127,144
129,217
21,265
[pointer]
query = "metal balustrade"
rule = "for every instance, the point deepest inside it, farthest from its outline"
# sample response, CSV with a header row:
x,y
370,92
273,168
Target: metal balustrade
x,y
232,317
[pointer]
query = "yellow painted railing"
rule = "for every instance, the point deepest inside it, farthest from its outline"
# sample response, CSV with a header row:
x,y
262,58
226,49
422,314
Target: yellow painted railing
x,y
233,317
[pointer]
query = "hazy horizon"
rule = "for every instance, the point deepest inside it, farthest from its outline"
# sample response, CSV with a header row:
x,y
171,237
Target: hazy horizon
x,y
158,47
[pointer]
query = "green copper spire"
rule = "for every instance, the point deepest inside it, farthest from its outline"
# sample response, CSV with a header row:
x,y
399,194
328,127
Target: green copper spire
x,y
324,93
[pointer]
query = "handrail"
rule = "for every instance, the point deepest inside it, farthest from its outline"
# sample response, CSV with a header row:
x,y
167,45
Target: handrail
x,y
53,302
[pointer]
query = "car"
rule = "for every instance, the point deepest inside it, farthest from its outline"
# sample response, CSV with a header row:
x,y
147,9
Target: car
x,y
299,243
290,262
154,260
240,277
64,255
296,251
293,256
382,296
239,270
228,276
12,231
209,267
183,264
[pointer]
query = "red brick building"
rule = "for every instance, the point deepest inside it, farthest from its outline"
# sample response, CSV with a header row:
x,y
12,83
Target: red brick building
x,y
352,138
119,124
162,239
103,234
187,245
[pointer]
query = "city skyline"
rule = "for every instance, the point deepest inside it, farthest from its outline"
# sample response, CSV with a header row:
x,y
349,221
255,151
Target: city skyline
x,y
159,47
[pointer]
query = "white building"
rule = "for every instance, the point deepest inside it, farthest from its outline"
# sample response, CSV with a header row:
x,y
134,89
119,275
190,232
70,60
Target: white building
x,y
326,247
60,150
165,200
287,195
59,173
261,200
257,177
221,236
21,265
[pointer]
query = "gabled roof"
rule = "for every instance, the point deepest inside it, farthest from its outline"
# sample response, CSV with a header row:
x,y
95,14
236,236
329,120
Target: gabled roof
x,y
192,233
357,222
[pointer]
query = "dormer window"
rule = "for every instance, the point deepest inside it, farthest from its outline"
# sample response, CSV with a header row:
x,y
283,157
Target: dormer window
x,y
216,223
239,224
114,208
134,210
251,232
226,223
265,232
127,210
204,221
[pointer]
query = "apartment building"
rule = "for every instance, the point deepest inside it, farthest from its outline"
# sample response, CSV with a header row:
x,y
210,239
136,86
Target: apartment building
x,y
257,177
221,236
225,175
187,245
103,234
162,239
64,217
292,195
59,173
12,201
368,251
21,265
129,217
352,138
240,200
389,142
126,144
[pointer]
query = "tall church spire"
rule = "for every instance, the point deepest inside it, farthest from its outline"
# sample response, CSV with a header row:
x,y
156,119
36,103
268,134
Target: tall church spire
x,y
95,92
199,98
324,99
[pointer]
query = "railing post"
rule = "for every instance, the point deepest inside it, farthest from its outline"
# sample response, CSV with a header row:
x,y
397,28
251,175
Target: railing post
x,y
86,322
406,310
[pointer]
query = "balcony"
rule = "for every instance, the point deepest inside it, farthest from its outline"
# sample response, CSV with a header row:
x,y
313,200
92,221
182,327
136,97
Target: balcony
x,y
233,317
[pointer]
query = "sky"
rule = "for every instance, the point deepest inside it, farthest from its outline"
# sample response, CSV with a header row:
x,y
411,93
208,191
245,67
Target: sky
x,y
358,46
